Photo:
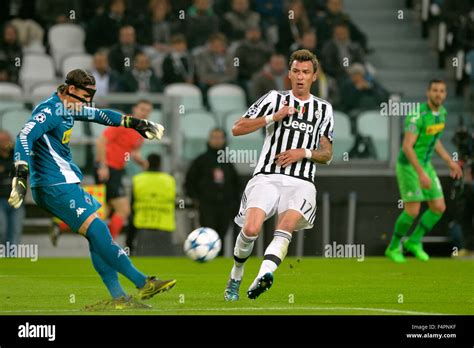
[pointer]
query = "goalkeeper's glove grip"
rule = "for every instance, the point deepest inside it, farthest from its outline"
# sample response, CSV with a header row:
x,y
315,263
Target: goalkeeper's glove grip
x,y
19,185
147,129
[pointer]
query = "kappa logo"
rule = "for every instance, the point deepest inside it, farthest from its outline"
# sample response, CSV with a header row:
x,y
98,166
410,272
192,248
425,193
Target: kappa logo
x,y
121,252
47,110
79,211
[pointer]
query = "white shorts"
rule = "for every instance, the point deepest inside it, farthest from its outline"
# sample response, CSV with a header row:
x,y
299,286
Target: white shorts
x,y
276,193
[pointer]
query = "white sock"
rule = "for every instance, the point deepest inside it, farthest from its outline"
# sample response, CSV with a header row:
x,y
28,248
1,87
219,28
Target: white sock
x,y
275,252
242,250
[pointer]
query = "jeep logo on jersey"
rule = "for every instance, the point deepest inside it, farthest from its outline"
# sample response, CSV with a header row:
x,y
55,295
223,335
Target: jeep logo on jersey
x,y
299,125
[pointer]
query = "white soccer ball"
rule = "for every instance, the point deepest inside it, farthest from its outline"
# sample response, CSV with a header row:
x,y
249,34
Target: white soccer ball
x,y
202,244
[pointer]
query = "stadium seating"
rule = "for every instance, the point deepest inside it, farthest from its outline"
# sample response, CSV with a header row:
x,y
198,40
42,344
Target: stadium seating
x,y
251,141
157,116
64,39
191,96
36,68
76,61
13,120
343,139
42,91
225,98
371,123
195,127
8,90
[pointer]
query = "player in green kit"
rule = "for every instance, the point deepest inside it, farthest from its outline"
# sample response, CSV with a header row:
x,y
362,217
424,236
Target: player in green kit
x,y
416,176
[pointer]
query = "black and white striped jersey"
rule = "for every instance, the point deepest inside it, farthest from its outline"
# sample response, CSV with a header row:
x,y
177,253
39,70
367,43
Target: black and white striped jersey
x,y
312,119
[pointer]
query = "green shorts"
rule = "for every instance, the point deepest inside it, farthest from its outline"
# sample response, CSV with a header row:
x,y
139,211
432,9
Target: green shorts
x,y
409,184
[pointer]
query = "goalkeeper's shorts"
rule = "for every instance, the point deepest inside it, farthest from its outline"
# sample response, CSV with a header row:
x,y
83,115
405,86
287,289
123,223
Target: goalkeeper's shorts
x,y
409,184
68,202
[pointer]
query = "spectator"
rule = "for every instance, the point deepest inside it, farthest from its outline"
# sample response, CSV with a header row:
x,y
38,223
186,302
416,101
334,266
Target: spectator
x,y
360,94
107,80
293,24
156,29
11,52
52,12
103,29
200,23
115,147
215,65
141,78
334,15
273,76
341,52
122,54
240,18
214,186
325,86
30,34
270,11
153,204
178,65
11,220
253,53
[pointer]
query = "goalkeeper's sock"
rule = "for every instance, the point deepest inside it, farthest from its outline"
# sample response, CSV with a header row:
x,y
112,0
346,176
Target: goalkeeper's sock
x,y
115,225
99,236
402,226
426,224
108,274
275,252
243,249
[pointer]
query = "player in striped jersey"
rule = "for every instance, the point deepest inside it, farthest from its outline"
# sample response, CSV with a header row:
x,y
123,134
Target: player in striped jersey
x,y
299,133
42,150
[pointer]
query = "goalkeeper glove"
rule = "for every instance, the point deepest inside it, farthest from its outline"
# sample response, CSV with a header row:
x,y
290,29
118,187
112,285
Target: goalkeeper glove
x,y
147,129
18,185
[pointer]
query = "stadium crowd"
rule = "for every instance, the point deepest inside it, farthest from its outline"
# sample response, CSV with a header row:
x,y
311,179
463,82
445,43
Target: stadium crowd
x,y
200,42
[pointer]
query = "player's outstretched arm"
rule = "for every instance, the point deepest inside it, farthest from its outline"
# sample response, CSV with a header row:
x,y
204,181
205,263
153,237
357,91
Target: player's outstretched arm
x,y
455,169
249,125
147,129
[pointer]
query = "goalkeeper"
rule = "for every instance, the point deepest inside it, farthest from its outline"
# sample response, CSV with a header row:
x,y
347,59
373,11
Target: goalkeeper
x,y
416,176
42,150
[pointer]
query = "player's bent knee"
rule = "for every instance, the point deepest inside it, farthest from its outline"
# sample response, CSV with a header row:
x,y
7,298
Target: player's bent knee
x,y
251,229
439,209
412,210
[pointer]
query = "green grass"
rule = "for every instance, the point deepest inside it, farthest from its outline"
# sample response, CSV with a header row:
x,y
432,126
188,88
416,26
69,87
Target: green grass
x,y
308,286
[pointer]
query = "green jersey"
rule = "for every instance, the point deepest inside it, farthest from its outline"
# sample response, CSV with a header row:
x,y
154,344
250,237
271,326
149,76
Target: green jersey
x,y
429,126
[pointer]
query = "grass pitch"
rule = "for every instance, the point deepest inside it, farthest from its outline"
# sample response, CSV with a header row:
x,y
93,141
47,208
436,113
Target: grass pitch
x,y
307,286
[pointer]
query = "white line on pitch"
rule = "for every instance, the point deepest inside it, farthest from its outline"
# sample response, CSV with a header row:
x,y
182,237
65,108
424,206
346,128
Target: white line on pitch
x,y
383,310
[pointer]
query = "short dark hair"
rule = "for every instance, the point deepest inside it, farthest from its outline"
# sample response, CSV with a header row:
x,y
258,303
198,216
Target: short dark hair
x,y
178,38
304,56
77,77
154,162
218,37
433,81
143,101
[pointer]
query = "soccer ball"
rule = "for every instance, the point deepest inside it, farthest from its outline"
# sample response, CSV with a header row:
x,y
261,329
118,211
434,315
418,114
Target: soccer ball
x,y
202,244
